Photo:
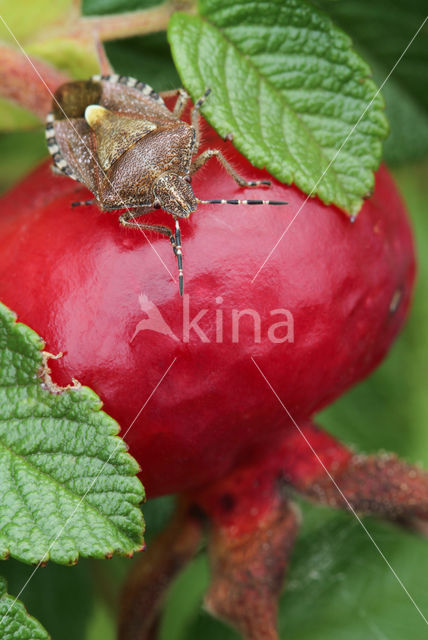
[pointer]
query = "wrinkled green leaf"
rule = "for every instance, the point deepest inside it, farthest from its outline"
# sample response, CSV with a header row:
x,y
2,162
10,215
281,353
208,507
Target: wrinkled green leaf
x,y
15,623
381,31
288,85
67,482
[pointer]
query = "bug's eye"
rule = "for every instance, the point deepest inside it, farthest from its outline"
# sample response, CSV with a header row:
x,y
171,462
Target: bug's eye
x,y
156,204
188,179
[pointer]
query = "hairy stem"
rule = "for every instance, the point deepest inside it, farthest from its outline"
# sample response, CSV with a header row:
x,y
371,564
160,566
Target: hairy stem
x,y
248,572
379,485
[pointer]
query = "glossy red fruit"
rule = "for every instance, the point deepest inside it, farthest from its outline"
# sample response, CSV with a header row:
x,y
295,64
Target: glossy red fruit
x,y
75,276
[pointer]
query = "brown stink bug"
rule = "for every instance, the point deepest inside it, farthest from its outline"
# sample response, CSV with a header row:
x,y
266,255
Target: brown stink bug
x,y
116,136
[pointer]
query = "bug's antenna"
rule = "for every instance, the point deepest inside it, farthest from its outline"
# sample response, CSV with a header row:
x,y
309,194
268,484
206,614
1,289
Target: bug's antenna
x,y
176,243
241,201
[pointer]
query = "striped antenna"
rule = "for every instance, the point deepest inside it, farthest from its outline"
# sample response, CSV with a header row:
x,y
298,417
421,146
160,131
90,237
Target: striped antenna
x,y
176,243
241,201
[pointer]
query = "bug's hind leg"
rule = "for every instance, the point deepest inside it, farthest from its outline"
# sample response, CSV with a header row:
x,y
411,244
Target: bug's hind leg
x,y
180,105
215,153
195,119
182,100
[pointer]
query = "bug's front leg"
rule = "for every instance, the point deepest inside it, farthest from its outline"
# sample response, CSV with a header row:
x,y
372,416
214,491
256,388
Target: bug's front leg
x,y
215,153
127,220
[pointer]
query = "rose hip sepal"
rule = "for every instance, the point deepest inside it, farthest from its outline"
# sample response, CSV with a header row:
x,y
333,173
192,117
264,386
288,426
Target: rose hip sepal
x,y
213,431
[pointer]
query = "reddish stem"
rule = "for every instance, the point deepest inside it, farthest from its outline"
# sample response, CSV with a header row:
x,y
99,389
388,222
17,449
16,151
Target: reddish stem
x,y
20,80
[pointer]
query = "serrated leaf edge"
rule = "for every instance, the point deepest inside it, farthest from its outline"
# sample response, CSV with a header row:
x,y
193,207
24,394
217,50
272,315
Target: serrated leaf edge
x,y
95,404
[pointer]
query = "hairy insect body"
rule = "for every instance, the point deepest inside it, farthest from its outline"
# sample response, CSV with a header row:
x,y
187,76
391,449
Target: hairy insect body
x,y
116,136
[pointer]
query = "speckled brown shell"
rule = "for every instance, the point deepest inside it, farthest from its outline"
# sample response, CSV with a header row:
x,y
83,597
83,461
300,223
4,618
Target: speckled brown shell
x,y
128,179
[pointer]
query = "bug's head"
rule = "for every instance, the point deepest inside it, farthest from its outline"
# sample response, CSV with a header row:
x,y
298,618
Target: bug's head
x,y
174,194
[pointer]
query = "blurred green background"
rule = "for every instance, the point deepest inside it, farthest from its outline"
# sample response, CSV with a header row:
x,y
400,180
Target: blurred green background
x,y
338,585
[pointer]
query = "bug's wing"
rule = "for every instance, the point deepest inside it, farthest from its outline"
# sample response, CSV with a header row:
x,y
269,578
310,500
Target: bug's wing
x,y
125,95
71,143
70,140
114,133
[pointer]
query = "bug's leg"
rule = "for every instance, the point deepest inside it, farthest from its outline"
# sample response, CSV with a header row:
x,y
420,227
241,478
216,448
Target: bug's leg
x,y
180,105
126,220
195,119
178,253
182,100
83,202
215,153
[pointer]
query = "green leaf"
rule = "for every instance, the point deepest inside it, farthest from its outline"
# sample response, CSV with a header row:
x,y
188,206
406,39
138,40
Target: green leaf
x,y
288,85
67,482
15,623
381,33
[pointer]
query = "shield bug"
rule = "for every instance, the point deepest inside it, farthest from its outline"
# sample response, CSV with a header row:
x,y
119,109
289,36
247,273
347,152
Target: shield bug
x,y
116,136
